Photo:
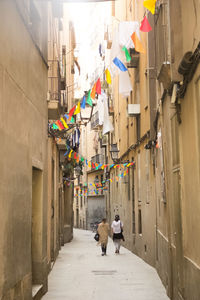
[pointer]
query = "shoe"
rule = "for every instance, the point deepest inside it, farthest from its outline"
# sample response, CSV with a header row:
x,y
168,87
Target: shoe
x,y
102,254
116,251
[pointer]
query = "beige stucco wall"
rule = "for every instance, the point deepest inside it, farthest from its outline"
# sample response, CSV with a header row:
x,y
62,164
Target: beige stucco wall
x,y
23,131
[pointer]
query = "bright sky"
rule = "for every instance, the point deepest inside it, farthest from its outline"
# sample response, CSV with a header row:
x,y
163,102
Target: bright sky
x,y
90,20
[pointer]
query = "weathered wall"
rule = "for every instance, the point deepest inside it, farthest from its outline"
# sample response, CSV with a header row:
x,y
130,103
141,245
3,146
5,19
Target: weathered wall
x,y
23,114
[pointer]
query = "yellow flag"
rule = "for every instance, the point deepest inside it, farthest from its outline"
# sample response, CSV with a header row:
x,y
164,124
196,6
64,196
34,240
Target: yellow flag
x,y
150,5
70,154
78,109
108,76
64,123
89,164
138,45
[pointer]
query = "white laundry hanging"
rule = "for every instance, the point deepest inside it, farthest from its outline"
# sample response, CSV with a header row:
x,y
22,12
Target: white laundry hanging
x,y
126,29
125,86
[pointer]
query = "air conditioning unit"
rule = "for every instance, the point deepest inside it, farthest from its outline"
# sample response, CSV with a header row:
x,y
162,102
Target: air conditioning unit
x,y
133,110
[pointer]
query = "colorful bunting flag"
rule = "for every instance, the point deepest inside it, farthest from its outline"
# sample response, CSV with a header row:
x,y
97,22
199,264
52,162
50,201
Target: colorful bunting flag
x,y
78,108
128,57
98,86
54,126
89,100
83,102
66,116
119,64
145,26
108,76
60,125
138,45
93,92
64,123
150,5
70,154
72,120
71,112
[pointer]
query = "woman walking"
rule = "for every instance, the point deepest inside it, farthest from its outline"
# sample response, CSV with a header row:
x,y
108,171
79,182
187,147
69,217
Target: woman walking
x,y
117,229
103,230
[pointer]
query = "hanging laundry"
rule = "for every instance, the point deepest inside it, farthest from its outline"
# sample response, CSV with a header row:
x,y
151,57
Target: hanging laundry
x,y
126,29
125,86
107,125
100,107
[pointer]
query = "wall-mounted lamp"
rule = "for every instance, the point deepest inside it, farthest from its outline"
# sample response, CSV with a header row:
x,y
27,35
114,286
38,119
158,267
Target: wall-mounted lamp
x,y
114,155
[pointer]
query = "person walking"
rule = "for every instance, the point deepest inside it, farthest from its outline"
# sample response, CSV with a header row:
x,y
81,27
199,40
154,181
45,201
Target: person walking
x,y
117,231
103,231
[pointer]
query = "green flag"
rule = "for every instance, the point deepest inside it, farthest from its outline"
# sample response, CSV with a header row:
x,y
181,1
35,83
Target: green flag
x,y
89,99
72,120
55,126
128,57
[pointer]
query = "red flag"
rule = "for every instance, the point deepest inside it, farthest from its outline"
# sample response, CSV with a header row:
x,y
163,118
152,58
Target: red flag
x,y
145,26
93,165
60,125
71,112
98,87
75,155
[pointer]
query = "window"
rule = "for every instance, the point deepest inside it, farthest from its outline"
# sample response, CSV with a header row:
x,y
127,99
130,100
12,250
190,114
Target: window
x,y
139,179
147,167
139,221
133,200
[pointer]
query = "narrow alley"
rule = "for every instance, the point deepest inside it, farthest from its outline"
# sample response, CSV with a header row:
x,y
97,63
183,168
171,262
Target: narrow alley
x,y
80,272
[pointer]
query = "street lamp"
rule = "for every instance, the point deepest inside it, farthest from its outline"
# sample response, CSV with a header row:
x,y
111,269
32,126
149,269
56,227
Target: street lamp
x,y
114,153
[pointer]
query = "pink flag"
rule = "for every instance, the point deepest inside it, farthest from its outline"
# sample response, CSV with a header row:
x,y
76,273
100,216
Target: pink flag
x,y
145,26
98,87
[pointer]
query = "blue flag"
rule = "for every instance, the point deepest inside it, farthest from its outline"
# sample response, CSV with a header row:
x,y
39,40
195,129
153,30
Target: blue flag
x,y
119,64
83,103
66,116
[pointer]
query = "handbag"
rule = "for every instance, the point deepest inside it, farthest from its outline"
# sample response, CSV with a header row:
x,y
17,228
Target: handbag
x,y
96,237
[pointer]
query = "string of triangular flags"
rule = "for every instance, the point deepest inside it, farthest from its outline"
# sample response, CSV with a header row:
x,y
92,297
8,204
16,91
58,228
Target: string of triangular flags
x,y
96,88
70,153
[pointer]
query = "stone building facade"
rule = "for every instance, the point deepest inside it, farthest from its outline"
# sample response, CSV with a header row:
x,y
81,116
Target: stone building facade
x,y
36,208
160,202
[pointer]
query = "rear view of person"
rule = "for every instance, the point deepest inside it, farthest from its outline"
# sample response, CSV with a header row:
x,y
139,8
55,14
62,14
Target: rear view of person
x,y
117,229
103,230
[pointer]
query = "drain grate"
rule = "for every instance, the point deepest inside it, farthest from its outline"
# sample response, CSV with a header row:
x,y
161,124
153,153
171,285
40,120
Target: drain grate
x,y
104,272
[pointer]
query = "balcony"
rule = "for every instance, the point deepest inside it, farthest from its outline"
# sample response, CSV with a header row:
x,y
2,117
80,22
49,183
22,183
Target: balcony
x,y
95,122
99,159
54,86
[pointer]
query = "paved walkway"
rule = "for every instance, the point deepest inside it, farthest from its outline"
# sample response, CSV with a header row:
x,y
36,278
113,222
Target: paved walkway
x,y
81,273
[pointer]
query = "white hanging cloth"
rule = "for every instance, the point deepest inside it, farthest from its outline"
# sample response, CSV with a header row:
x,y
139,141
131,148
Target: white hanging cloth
x,y
125,86
107,125
100,108
126,29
